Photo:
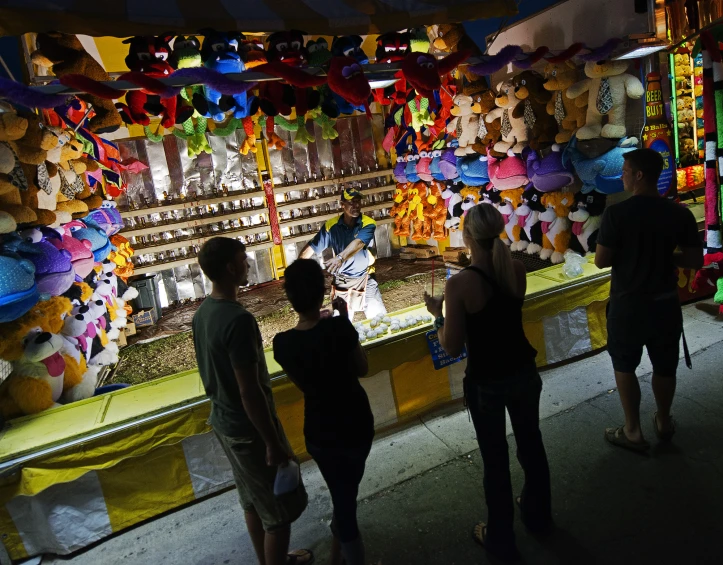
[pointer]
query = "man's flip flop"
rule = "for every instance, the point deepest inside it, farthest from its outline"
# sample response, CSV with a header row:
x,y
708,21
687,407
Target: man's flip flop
x,y
479,535
300,557
667,435
617,436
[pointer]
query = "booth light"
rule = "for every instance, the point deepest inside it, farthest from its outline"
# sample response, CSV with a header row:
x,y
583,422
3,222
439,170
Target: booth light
x,y
381,83
641,51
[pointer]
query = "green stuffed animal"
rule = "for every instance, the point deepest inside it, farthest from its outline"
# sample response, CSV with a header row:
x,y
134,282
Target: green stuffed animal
x,y
187,54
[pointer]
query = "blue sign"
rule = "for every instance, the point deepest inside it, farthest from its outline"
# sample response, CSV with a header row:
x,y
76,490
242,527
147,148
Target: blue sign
x,y
440,357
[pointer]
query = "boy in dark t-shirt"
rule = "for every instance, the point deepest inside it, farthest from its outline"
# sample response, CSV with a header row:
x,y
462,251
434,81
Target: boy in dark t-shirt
x,y
232,366
644,239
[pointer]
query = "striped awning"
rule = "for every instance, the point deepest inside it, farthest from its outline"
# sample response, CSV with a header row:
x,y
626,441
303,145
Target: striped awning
x,y
123,18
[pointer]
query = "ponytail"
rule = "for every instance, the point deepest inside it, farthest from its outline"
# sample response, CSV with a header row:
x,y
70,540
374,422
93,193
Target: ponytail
x,y
503,268
484,224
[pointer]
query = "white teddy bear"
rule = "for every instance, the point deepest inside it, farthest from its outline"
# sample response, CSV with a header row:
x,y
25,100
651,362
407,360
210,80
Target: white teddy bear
x,y
608,87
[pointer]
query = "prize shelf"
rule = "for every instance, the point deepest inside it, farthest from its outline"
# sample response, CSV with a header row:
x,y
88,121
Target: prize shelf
x,y
199,221
191,259
324,217
167,246
337,180
184,204
291,205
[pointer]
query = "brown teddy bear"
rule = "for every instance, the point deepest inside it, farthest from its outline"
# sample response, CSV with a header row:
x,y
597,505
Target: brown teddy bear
x,y
447,38
64,55
569,114
529,90
12,127
489,133
32,152
19,160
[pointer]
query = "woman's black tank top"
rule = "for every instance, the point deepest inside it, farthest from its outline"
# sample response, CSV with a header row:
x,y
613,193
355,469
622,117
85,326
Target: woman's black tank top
x,y
496,343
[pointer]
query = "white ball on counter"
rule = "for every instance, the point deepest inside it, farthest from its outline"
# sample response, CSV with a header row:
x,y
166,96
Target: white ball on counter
x,y
428,318
383,328
374,323
395,328
404,324
387,320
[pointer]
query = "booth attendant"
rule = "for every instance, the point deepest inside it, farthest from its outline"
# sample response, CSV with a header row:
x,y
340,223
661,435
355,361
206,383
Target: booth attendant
x,y
349,236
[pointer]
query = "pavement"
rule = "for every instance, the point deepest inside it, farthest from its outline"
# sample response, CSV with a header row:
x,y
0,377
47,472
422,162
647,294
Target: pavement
x,y
422,492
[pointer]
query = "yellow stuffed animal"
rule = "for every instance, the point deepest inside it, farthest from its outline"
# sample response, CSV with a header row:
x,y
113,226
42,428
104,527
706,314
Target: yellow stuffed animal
x,y
33,345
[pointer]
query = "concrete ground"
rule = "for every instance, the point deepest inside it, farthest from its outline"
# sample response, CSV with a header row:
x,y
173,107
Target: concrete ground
x,y
422,492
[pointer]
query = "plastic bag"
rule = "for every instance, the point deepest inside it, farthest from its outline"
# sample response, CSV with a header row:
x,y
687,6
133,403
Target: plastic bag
x,y
573,264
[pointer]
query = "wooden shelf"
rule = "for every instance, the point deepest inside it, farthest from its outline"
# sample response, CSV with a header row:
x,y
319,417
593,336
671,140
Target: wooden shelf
x,y
326,199
339,180
250,230
241,213
191,260
324,217
182,205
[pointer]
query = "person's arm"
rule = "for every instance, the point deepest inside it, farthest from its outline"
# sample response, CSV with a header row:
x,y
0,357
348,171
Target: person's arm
x,y
451,335
334,264
521,274
607,242
316,245
603,256
242,346
690,252
257,410
359,361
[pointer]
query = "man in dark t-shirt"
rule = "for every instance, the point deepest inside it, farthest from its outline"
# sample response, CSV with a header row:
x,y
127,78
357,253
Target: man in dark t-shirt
x,y
232,365
644,239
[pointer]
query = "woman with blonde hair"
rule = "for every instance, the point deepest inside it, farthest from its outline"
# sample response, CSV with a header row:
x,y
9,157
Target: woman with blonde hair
x,y
484,311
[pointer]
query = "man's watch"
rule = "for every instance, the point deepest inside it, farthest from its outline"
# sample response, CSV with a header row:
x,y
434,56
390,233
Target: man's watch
x,y
438,323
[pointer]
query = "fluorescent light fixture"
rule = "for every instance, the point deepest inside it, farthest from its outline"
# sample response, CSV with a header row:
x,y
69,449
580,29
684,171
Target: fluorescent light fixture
x,y
641,51
382,83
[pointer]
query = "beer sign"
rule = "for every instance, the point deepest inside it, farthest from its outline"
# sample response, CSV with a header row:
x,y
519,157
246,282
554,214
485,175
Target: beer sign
x,y
658,136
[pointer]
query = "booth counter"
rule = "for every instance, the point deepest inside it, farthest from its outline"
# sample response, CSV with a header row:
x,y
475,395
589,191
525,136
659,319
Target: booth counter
x,y
73,475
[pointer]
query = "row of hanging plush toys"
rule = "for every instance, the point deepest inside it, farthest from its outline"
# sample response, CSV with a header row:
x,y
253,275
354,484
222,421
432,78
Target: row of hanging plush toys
x,y
62,308
59,244
541,218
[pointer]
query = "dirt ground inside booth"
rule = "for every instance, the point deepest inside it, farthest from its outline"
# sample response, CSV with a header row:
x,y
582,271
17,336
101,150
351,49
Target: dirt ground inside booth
x,y
167,347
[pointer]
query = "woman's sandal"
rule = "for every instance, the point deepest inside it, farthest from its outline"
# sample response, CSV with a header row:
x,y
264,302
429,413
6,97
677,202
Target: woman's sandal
x,y
617,437
663,435
300,557
479,535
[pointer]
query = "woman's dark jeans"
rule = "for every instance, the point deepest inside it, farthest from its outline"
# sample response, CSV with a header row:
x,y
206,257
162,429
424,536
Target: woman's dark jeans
x,y
487,401
342,469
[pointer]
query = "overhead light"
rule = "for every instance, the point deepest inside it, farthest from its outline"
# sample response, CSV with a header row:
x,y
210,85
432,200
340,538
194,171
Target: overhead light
x,y
382,83
641,51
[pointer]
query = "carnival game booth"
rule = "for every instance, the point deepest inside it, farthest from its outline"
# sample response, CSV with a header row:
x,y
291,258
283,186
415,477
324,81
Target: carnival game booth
x,y
266,162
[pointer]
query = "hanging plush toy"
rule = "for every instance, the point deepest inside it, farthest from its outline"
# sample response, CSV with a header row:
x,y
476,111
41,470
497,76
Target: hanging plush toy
x,y
220,52
448,38
508,173
453,202
603,173
287,55
608,87
556,225
548,173
513,129
148,56
423,72
346,78
465,124
528,218
568,113
511,200
187,55
487,133
64,55
534,98
33,345
400,210
12,178
18,289
586,219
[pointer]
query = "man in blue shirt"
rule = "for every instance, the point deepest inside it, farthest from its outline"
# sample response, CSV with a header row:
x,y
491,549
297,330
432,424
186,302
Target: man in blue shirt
x,y
349,236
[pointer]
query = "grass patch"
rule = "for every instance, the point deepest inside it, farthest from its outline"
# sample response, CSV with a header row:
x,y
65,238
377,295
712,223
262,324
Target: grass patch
x,y
149,361
391,285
